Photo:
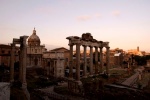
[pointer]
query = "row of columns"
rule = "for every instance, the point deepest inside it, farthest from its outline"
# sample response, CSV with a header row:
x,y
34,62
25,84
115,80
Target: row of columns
x,y
85,61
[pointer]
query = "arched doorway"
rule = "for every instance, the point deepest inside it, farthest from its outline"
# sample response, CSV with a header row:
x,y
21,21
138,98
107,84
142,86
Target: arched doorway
x,y
35,61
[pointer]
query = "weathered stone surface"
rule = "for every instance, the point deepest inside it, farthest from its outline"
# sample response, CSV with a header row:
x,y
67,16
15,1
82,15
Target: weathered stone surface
x,y
4,91
22,76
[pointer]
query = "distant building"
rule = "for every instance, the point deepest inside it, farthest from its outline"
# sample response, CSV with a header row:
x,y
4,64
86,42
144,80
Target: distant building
x,y
136,52
116,57
147,68
5,53
55,61
148,63
34,51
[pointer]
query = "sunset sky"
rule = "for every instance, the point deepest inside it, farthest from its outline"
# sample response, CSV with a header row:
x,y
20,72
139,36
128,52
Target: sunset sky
x,y
124,23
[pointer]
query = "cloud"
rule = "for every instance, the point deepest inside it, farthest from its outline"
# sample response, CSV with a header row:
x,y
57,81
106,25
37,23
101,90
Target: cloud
x,y
116,13
83,18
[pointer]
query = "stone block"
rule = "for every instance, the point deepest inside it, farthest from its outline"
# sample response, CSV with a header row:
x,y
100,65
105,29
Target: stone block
x,y
4,91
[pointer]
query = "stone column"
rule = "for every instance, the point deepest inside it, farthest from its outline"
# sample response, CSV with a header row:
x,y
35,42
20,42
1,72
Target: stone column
x,y
23,58
101,59
85,63
107,60
24,54
91,60
77,62
12,63
96,60
23,49
20,63
71,62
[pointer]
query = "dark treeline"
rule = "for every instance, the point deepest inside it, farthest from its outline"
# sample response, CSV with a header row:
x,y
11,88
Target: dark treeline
x,y
141,60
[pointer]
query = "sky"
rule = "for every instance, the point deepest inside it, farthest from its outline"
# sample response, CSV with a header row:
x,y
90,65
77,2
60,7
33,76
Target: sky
x,y
123,23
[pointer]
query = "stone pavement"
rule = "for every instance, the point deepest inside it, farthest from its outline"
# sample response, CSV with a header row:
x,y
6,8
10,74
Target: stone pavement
x,y
131,80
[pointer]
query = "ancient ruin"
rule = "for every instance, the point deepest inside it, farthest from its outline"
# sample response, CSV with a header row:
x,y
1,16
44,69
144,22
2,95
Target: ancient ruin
x,y
22,68
86,40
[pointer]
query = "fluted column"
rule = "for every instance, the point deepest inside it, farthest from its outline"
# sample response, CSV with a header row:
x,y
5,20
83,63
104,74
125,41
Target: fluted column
x,y
96,60
71,62
101,59
85,63
91,60
107,60
78,62
12,63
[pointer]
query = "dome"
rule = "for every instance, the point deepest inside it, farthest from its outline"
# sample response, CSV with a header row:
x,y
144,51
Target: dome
x,y
34,40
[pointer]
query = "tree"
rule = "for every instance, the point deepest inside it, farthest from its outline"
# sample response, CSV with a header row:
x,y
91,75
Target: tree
x,y
141,60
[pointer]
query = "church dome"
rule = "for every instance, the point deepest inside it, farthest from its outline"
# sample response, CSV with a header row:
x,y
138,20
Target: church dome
x,y
34,40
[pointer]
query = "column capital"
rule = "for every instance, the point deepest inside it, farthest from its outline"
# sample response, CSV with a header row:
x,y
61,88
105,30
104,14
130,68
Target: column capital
x,y
71,44
107,47
24,37
91,46
12,44
23,40
101,47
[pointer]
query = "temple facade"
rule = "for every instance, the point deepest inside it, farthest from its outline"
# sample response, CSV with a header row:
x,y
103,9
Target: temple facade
x,y
87,40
